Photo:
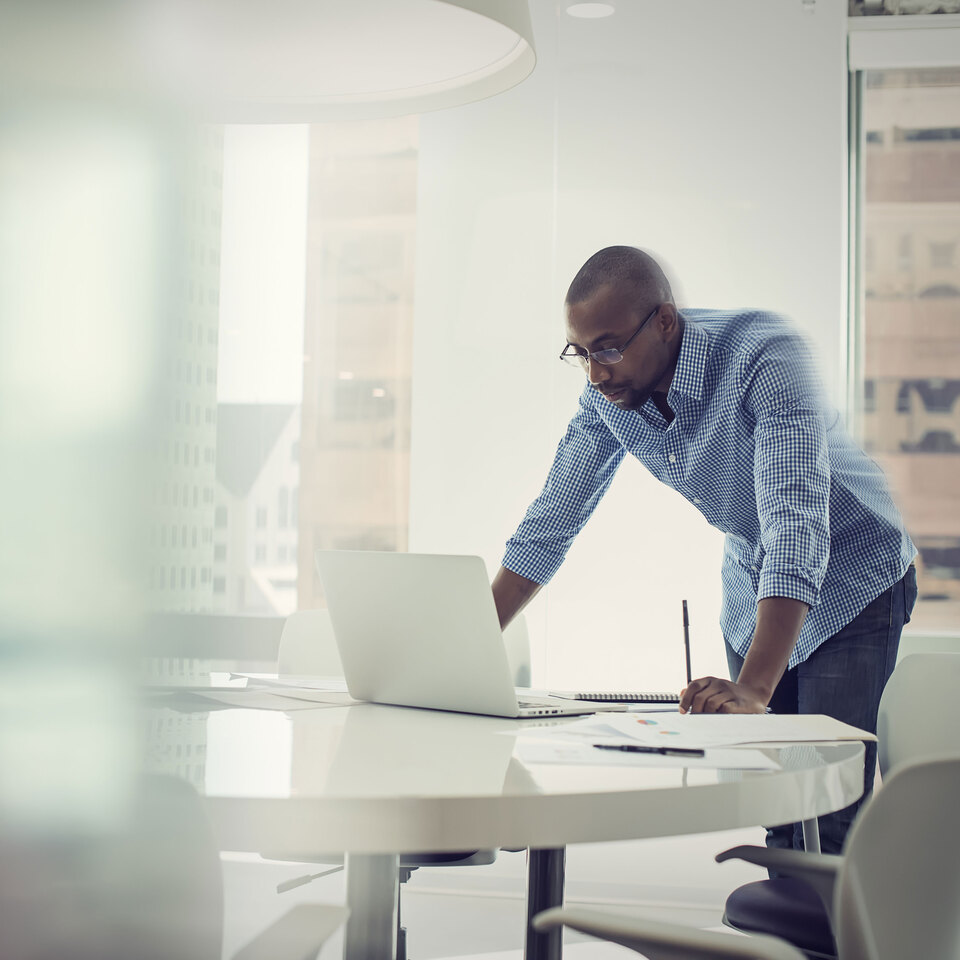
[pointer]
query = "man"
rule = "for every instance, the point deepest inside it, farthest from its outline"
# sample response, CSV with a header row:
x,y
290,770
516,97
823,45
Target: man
x,y
725,407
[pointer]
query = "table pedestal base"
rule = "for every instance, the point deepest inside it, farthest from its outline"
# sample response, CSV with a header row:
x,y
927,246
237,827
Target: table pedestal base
x,y
545,870
372,893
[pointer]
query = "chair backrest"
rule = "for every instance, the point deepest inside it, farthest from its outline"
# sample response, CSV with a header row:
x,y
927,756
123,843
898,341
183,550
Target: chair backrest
x,y
308,647
517,640
898,892
917,715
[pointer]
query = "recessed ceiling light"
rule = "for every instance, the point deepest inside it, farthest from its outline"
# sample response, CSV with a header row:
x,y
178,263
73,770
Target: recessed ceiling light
x,y
590,11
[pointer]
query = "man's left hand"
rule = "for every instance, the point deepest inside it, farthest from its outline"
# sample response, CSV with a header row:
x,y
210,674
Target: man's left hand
x,y
713,695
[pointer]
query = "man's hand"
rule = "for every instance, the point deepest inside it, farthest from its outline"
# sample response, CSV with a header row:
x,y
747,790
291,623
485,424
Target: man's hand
x,y
778,625
511,593
713,695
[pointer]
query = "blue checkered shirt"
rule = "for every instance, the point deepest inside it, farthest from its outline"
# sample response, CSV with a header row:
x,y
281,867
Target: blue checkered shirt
x,y
756,449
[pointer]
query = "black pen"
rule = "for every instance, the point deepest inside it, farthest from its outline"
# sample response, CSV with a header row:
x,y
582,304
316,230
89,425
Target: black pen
x,y
686,640
662,751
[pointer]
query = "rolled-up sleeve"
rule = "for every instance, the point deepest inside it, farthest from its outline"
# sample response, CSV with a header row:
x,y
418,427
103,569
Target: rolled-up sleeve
x,y
791,472
585,463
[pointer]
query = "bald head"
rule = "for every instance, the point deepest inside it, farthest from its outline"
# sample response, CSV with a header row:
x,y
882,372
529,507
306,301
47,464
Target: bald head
x,y
629,270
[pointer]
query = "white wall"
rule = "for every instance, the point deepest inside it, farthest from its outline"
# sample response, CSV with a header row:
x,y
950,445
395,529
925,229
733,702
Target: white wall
x,y
711,133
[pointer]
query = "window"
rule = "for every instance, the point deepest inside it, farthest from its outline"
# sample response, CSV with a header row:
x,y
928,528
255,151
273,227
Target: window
x,y
905,253
942,255
220,517
338,421
220,553
928,134
911,327
939,291
219,585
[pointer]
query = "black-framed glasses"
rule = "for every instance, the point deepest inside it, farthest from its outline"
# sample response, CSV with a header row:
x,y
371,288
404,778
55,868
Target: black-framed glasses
x,y
580,357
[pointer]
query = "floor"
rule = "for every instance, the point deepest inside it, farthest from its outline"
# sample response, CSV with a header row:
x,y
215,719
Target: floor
x,y
479,913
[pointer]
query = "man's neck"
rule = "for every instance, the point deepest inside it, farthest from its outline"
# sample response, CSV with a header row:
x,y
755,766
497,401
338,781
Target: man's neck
x,y
660,402
659,397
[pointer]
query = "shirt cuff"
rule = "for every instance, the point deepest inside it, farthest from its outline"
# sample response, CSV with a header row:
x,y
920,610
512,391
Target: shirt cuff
x,y
534,563
793,582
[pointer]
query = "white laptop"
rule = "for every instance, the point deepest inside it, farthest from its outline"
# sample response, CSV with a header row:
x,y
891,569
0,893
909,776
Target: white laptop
x,y
421,630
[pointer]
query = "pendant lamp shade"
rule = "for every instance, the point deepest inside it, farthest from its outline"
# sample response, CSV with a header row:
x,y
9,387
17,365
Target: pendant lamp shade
x,y
262,61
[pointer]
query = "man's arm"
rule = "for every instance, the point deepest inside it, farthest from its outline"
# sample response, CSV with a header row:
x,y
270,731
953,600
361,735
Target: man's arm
x,y
779,620
584,465
792,489
511,593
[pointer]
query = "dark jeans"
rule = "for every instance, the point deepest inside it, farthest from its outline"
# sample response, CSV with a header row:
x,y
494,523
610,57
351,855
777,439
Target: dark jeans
x,y
844,678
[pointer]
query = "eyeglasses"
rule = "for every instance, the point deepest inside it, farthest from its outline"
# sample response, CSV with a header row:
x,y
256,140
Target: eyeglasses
x,y
577,356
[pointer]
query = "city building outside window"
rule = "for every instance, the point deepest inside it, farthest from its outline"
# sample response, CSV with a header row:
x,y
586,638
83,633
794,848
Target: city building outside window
x,y
911,321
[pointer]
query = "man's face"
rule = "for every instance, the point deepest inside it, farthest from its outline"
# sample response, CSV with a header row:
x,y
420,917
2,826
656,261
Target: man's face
x,y
609,318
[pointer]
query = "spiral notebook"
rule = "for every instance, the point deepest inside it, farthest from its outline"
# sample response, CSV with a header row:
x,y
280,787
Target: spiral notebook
x,y
616,696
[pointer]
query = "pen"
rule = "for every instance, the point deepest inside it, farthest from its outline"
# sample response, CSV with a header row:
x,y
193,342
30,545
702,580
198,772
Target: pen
x,y
686,640
662,751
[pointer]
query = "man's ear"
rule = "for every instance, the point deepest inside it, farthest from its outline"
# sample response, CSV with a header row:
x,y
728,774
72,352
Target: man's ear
x,y
668,321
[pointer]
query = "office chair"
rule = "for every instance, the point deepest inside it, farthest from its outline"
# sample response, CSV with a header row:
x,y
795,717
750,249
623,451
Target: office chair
x,y
516,639
896,894
916,718
308,648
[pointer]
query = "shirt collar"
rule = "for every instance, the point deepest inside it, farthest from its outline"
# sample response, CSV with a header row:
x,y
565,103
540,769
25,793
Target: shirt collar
x,y
692,361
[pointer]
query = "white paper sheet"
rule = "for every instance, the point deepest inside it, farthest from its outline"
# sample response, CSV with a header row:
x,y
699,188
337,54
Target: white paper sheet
x,y
250,699
585,754
330,698
706,730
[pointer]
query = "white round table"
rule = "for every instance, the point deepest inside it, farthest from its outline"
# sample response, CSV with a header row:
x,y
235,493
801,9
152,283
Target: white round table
x,y
373,782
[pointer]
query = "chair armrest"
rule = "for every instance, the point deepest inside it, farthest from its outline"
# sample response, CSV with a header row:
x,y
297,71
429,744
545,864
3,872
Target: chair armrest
x,y
819,870
297,935
666,941
783,861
